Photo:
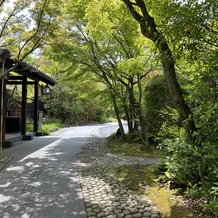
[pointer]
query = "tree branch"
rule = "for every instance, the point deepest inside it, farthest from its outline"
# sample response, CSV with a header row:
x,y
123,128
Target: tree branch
x,y
36,32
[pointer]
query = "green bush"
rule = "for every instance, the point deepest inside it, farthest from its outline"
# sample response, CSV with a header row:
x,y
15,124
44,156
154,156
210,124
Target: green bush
x,y
206,119
203,89
133,137
169,128
156,99
29,125
49,124
194,168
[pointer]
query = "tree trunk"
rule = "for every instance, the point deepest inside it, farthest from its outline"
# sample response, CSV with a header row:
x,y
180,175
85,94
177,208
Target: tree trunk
x,y
131,108
140,114
144,126
149,30
137,114
116,110
132,105
129,121
179,102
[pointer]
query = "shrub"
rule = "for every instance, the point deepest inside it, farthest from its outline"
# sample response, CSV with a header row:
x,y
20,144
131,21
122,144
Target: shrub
x,y
49,124
194,168
29,125
169,128
133,137
156,99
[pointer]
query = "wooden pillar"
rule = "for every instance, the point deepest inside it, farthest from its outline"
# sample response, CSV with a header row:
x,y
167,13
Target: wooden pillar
x,y
4,112
4,106
24,102
1,107
36,106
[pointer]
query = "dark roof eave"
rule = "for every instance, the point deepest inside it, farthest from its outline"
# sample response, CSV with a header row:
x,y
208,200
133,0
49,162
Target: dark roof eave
x,y
39,74
29,71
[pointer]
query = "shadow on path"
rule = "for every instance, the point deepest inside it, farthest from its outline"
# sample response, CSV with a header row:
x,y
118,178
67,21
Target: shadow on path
x,y
43,183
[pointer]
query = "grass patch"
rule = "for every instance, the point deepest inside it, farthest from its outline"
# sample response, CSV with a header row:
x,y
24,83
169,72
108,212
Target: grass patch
x,y
169,204
50,124
135,177
29,127
133,149
142,180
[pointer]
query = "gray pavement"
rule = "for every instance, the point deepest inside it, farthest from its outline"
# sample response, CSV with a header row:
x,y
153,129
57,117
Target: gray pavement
x,y
62,175
41,180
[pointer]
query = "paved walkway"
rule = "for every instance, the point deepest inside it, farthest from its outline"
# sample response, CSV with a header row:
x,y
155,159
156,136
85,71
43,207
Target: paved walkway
x,y
46,178
41,180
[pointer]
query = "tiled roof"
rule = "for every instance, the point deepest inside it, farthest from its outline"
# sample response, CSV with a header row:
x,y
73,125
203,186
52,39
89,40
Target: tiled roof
x,y
29,71
35,73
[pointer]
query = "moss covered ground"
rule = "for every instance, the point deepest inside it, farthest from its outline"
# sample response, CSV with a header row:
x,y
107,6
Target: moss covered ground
x,y
142,179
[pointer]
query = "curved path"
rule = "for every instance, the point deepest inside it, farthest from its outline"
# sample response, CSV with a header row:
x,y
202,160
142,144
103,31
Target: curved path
x,y
53,176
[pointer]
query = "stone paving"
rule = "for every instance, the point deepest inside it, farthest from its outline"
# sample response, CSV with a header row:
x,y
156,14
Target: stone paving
x,y
104,195
4,161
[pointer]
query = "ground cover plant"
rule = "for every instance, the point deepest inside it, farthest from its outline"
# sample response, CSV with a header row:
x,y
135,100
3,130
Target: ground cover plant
x,y
132,148
29,125
193,170
141,179
147,181
50,125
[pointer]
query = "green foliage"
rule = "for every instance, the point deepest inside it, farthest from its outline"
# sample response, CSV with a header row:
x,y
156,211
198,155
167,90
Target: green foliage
x,y
104,43
75,103
132,148
202,95
169,128
24,34
133,137
50,124
29,127
194,167
190,26
207,189
157,103
101,116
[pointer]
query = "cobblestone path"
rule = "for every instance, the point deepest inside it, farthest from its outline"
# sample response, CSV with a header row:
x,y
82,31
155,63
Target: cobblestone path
x,y
104,195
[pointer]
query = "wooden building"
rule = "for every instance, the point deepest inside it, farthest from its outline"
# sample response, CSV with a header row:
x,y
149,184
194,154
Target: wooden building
x,y
25,75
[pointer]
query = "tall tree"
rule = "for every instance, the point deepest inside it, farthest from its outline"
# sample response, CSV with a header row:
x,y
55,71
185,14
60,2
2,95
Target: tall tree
x,y
98,41
149,29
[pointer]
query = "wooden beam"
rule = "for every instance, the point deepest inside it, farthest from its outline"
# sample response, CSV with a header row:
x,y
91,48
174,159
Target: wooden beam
x,y
29,71
20,82
15,78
